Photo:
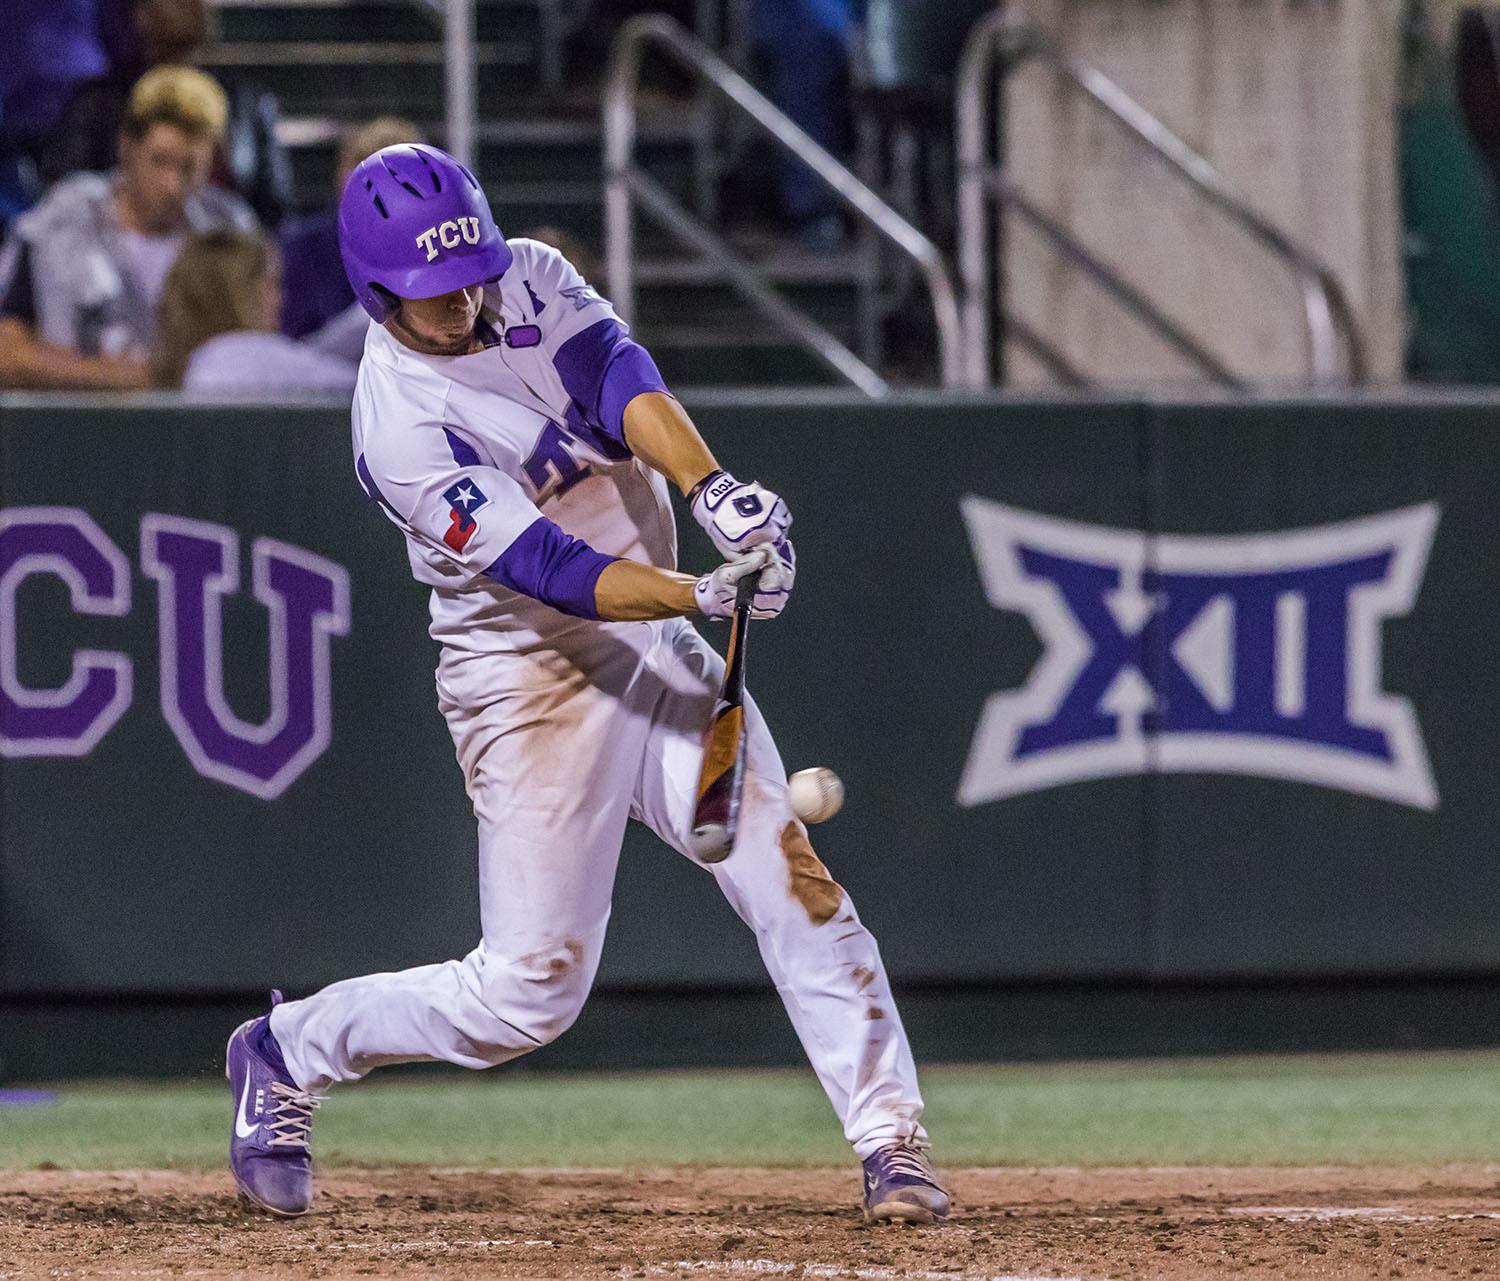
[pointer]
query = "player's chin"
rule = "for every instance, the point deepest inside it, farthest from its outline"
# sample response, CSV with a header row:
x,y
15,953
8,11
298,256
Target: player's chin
x,y
450,343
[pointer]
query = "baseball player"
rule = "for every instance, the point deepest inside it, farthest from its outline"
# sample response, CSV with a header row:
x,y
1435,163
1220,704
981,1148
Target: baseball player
x,y
507,424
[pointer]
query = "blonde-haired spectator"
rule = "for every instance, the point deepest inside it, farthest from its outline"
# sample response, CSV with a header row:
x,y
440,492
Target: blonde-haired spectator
x,y
183,96
216,329
81,274
140,35
189,98
310,245
364,140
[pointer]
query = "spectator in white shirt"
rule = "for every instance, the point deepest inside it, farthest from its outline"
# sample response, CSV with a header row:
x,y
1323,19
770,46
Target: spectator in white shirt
x,y
81,273
217,324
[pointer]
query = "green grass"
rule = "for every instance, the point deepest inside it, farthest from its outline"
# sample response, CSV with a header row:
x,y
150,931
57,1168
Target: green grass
x,y
1414,1109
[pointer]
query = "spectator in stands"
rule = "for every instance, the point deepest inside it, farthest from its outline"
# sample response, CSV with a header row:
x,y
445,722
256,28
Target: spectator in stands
x,y
216,329
81,275
136,35
310,244
139,35
49,49
805,46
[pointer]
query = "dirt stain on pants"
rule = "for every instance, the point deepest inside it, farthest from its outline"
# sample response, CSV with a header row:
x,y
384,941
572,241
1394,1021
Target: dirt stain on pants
x,y
812,886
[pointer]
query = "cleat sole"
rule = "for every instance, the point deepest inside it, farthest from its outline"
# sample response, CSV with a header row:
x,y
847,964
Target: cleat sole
x,y
902,1212
269,1209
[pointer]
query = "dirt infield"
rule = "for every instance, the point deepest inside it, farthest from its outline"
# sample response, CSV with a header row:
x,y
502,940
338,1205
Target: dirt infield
x,y
1177,1225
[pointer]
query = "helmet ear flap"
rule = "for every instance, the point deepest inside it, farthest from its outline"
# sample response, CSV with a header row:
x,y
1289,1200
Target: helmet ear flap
x,y
388,301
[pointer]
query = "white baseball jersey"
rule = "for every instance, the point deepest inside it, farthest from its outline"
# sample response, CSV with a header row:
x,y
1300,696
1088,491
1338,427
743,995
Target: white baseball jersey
x,y
566,727
467,453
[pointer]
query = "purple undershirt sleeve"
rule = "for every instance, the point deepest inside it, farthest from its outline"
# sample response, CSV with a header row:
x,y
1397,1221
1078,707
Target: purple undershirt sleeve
x,y
552,567
604,369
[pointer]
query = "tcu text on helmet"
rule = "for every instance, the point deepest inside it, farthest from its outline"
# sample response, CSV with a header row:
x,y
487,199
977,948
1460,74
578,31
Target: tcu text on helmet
x,y
447,234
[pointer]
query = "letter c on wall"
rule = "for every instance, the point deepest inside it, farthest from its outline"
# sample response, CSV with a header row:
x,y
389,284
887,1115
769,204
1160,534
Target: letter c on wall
x,y
70,719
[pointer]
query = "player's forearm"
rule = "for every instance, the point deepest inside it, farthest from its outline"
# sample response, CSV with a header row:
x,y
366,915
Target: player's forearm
x,y
660,433
629,592
27,363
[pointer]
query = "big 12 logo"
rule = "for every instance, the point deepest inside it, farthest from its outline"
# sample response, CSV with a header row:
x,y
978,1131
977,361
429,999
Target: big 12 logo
x,y
196,565
1255,654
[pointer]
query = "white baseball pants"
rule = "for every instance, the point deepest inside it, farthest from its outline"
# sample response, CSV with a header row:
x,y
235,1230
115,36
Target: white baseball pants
x,y
558,749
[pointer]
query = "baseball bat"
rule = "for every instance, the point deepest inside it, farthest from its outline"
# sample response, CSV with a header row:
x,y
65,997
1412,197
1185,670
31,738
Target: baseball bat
x,y
721,782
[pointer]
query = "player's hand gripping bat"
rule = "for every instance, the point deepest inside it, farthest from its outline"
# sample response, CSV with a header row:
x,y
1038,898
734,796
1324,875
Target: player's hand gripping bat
x,y
721,783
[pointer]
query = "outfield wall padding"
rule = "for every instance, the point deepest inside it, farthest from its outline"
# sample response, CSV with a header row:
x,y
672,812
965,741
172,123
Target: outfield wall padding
x,y
1118,691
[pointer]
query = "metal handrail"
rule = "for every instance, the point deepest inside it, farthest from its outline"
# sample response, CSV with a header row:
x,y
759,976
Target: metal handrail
x,y
623,179
460,79
1126,294
460,74
1335,348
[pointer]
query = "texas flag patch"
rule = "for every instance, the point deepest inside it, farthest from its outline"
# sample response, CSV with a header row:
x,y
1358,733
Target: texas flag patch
x,y
465,498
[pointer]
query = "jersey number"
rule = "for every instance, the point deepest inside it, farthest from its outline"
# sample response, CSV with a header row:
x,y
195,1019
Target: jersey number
x,y
552,466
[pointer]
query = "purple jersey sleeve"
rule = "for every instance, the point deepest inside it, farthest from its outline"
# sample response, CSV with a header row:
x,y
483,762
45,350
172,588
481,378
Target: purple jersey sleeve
x,y
604,369
552,567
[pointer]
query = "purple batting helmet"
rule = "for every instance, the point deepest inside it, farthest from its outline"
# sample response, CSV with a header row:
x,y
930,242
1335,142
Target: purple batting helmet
x,y
414,223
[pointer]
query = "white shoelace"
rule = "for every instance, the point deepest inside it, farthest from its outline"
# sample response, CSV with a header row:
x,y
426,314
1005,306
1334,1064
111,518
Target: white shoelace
x,y
905,1159
290,1119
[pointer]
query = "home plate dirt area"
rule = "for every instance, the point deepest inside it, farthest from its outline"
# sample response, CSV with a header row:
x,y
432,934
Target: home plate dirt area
x,y
1193,1223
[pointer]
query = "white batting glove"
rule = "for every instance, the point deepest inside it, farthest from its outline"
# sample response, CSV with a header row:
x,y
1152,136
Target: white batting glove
x,y
716,593
780,572
737,515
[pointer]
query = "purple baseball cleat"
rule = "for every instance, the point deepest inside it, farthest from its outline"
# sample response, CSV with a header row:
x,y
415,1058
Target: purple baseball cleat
x,y
900,1184
269,1152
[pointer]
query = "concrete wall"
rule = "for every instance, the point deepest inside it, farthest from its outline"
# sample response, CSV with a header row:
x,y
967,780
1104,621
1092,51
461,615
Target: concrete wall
x,y
1293,100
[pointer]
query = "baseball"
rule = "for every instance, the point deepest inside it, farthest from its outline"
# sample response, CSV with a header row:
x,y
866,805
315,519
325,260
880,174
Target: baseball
x,y
817,794
711,843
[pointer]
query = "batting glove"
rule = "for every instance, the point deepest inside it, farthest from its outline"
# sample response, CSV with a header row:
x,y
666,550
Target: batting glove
x,y
716,593
737,515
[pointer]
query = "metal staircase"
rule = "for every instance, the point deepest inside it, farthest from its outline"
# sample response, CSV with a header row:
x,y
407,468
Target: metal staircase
x,y
761,284
716,307
539,150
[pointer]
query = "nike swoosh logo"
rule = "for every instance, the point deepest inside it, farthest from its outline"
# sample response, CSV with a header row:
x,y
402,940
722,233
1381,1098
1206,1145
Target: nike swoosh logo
x,y
241,1129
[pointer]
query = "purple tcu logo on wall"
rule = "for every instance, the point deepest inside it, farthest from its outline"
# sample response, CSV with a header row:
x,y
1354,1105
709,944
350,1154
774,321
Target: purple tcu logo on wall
x,y
69,720
195,565
1254,654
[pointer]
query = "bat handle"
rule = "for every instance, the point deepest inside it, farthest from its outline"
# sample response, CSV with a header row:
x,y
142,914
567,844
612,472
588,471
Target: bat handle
x,y
744,596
